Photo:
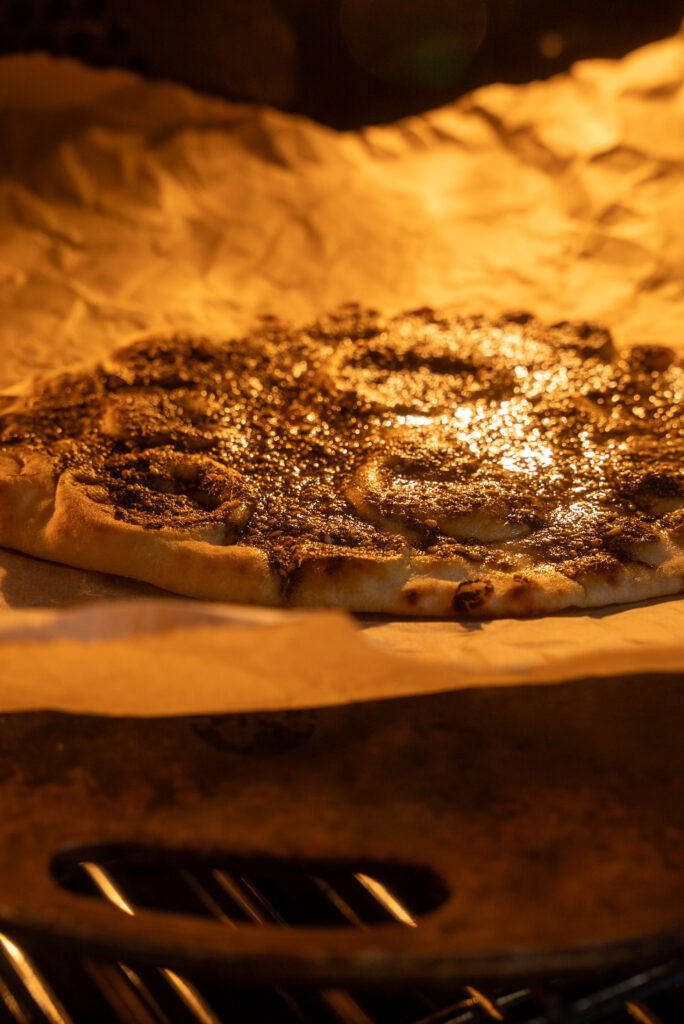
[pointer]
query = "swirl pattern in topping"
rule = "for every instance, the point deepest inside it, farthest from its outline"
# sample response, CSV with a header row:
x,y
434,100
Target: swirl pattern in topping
x,y
179,492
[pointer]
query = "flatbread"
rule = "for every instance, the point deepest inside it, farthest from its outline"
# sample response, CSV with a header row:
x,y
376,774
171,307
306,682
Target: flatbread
x,y
425,464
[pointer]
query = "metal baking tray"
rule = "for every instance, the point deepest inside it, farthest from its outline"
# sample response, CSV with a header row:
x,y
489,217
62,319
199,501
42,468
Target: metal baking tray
x,y
546,825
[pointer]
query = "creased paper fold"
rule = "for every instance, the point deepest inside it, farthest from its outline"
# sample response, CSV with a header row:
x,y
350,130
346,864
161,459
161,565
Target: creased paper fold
x,y
172,657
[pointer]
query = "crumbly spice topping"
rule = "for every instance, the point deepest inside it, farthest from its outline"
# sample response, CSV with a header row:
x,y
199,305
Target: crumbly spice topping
x,y
494,441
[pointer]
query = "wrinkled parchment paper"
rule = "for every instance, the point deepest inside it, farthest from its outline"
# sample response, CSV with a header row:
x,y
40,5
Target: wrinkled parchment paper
x,y
126,205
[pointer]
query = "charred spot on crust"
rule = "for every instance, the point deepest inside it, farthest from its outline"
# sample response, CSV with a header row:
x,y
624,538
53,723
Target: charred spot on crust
x,y
521,585
331,566
520,592
471,596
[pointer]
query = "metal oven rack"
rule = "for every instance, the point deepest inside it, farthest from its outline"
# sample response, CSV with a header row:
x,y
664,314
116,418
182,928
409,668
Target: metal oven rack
x,y
39,985
510,855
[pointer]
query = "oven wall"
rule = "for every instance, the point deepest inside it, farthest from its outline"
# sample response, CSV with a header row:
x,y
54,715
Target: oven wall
x,y
344,62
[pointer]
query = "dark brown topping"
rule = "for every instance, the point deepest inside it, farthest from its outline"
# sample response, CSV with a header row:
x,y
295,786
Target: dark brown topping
x,y
584,338
349,321
673,523
588,568
169,417
168,362
651,357
499,442
163,489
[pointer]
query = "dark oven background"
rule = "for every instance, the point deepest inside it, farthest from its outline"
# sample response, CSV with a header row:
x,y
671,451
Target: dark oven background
x,y
344,62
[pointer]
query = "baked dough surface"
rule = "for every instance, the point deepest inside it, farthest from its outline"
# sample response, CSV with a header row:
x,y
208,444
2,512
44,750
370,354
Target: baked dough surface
x,y
426,464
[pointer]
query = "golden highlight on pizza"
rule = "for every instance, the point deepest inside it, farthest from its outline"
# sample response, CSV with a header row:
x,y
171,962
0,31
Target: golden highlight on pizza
x,y
424,464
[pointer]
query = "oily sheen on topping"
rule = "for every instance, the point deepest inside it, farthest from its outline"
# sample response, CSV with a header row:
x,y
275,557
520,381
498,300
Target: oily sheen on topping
x,y
426,463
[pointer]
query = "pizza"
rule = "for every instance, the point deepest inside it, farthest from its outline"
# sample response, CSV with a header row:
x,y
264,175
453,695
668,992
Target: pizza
x,y
422,464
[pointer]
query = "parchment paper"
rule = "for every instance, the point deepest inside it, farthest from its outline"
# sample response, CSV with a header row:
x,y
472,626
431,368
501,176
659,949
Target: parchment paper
x,y
126,205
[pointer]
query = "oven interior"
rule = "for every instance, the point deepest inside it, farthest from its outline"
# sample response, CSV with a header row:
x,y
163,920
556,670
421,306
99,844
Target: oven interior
x,y
343,62
429,812
471,856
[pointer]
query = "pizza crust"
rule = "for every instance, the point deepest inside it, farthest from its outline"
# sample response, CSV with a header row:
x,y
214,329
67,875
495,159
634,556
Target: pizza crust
x,y
52,517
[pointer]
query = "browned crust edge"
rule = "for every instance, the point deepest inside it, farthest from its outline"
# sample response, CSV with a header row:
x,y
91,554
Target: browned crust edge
x,y
52,517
